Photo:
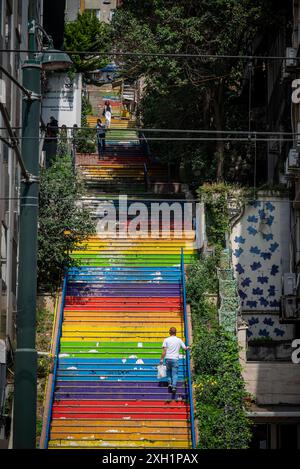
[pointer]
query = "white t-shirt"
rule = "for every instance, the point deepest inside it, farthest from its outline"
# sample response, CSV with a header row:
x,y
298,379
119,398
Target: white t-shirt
x,y
108,115
173,345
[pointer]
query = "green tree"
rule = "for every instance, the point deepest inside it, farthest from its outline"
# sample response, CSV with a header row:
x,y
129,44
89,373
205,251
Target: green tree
x,y
87,34
202,282
85,138
62,223
190,92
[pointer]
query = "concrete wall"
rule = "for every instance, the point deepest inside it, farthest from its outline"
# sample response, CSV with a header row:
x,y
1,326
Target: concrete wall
x,y
72,10
270,383
105,9
46,302
73,7
62,99
273,383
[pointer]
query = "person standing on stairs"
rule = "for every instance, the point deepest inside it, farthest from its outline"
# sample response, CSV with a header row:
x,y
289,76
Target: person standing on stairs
x,y
171,347
107,114
100,128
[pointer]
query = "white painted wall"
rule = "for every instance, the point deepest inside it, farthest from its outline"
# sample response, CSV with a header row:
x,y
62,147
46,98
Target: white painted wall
x,y
62,99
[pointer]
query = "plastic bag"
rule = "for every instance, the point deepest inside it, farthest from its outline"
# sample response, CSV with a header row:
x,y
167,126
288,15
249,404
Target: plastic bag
x,y
161,371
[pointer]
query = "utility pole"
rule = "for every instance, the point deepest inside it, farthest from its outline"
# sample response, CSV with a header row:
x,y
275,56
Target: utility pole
x,y
25,393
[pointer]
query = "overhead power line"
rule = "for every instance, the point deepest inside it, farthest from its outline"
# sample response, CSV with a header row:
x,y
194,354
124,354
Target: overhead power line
x,y
201,131
171,201
178,139
159,54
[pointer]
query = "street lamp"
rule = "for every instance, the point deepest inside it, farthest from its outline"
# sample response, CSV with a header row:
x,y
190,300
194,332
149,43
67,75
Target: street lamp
x,y
53,59
24,420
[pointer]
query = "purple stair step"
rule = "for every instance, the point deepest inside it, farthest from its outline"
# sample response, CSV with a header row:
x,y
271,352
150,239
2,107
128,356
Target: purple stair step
x,y
125,386
113,395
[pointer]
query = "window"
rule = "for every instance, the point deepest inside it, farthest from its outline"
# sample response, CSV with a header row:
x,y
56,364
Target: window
x,y
287,436
96,12
1,5
284,436
14,269
260,436
7,25
3,251
19,23
111,14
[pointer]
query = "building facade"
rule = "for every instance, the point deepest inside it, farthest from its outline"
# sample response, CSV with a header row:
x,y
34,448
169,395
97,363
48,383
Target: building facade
x,y
103,9
13,37
266,250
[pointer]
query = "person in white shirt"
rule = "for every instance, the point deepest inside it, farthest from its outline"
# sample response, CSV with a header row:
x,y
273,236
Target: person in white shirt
x,y
171,347
107,113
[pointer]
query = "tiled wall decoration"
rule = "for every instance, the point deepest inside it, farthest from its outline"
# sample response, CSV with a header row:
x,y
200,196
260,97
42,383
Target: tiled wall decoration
x,y
267,326
260,255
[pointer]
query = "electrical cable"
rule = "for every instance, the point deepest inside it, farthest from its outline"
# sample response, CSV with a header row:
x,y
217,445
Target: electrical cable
x,y
210,131
155,54
248,199
177,139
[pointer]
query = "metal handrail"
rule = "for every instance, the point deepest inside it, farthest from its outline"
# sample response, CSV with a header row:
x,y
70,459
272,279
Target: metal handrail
x,y
61,315
144,143
188,366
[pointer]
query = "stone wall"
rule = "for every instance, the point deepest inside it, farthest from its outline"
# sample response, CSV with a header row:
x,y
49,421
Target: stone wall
x,y
46,302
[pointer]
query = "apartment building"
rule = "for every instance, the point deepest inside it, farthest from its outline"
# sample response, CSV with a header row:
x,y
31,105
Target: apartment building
x,y
103,9
265,244
13,37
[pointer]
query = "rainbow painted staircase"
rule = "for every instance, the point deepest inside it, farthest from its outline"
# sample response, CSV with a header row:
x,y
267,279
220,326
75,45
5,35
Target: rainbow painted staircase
x,y
116,309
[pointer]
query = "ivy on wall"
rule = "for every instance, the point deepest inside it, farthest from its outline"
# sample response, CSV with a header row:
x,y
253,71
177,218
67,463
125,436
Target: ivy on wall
x,y
229,300
218,384
221,202
219,391
201,289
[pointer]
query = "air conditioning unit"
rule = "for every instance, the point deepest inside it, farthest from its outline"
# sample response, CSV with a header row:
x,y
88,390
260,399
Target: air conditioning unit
x,y
289,284
292,161
291,57
289,308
